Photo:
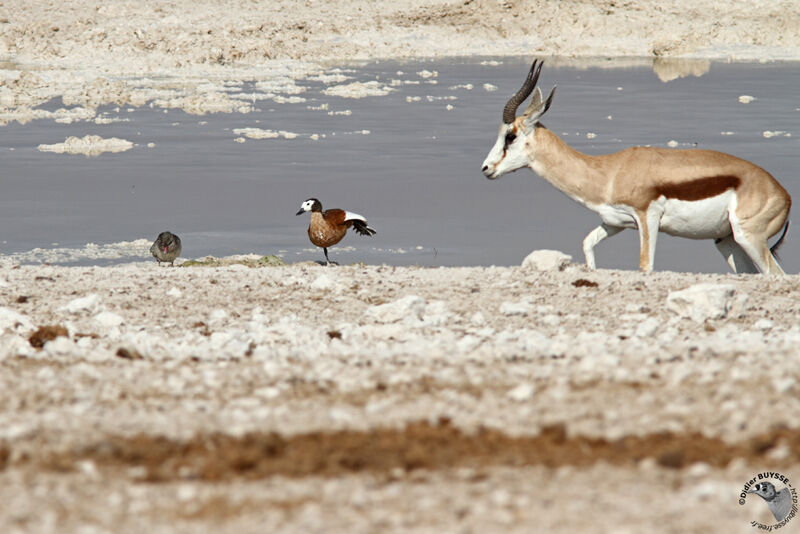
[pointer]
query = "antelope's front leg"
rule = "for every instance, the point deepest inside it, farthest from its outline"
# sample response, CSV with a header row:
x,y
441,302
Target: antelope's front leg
x,y
594,237
648,223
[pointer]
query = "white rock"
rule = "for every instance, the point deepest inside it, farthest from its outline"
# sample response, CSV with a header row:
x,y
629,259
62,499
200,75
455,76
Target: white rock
x,y
522,392
702,301
217,316
550,319
89,303
174,292
108,319
647,328
468,343
633,317
269,392
783,384
15,345
764,324
323,283
11,320
546,260
290,281
186,493
698,470
779,453
436,313
217,340
477,319
60,346
746,99
88,468
409,307
515,308
340,415
501,498
705,490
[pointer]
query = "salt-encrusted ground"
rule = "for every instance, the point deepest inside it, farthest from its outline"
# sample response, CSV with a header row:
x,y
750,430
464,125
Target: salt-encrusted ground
x,y
308,398
181,54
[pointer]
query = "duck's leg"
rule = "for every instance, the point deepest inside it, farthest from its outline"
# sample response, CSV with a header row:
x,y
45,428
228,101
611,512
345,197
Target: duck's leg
x,y
328,261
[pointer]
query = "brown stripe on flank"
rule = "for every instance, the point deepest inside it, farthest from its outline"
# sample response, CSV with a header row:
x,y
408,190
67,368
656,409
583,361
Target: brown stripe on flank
x,y
700,188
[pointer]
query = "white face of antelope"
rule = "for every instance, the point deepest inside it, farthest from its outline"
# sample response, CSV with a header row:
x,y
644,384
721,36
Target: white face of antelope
x,y
515,146
509,152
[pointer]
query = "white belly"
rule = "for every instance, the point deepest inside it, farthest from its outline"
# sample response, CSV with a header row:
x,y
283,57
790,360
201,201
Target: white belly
x,y
617,215
699,219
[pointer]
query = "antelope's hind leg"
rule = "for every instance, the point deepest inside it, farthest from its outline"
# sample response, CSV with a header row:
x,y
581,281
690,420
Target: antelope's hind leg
x,y
774,266
594,237
752,236
758,251
736,257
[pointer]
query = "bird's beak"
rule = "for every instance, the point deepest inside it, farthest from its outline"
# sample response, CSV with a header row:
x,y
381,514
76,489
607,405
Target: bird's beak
x,y
302,211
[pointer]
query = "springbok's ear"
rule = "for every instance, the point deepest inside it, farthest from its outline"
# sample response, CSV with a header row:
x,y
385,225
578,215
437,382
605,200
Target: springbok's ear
x,y
536,100
537,108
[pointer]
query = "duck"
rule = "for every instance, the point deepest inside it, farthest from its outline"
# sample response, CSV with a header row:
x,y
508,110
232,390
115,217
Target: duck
x,y
166,248
329,227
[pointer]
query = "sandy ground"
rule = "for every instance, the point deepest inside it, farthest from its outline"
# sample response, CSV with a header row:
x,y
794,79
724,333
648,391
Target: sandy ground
x,y
372,398
304,398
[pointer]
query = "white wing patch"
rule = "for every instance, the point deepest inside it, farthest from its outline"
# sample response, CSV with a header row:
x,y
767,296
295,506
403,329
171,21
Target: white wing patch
x,y
350,216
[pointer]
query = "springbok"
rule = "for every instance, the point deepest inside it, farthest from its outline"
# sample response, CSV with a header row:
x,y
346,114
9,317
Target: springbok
x,y
699,194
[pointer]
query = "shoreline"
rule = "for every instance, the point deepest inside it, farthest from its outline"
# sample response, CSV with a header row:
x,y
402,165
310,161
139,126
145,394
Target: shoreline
x,y
88,55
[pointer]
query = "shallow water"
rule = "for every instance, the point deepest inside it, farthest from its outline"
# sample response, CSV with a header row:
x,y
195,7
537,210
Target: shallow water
x,y
415,174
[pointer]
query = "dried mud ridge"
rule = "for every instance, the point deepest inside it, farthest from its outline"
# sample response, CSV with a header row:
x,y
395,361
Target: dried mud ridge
x,y
419,445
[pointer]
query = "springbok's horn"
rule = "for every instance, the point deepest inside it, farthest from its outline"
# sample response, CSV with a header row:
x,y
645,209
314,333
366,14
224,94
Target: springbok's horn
x,y
510,111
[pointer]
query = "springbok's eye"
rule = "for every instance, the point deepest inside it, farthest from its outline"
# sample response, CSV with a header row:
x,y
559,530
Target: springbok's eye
x,y
510,136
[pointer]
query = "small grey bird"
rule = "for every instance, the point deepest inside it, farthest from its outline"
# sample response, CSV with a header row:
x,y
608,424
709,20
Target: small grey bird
x,y
166,247
779,502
